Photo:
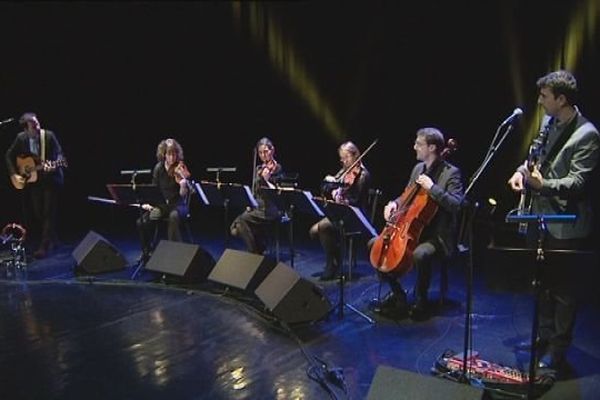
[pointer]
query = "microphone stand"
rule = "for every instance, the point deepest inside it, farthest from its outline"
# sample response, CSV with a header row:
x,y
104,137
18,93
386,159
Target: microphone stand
x,y
466,235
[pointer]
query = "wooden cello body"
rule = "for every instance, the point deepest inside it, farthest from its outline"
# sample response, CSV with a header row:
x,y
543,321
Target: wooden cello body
x,y
392,250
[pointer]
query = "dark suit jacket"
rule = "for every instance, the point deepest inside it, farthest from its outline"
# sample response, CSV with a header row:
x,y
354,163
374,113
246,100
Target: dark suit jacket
x,y
447,192
565,188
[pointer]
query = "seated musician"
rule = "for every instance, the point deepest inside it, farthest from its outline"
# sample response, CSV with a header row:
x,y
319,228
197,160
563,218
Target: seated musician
x,y
252,224
43,146
170,175
352,190
443,184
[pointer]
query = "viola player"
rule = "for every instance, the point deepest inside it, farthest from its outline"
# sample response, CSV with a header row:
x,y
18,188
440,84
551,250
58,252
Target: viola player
x,y
351,187
443,184
170,175
251,225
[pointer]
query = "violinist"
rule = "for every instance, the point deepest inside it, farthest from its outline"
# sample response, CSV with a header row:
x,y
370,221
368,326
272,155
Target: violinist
x,y
170,174
349,186
442,183
251,226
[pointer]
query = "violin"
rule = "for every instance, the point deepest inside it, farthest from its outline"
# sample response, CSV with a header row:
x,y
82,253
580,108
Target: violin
x,y
339,194
181,172
270,166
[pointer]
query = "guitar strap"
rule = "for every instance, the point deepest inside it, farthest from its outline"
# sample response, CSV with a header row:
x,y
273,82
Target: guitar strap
x,y
43,145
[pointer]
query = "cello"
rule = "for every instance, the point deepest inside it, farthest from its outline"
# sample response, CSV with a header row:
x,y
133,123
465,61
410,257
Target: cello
x,y
393,249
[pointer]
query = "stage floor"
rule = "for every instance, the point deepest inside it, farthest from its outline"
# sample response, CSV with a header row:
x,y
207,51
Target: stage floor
x,y
67,336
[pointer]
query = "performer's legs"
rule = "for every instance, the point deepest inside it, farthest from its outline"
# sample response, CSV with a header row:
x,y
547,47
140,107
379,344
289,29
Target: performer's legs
x,y
50,209
145,226
244,228
174,221
396,299
546,320
423,257
329,238
557,321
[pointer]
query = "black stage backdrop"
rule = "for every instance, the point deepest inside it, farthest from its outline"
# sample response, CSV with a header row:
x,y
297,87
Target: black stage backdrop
x,y
113,79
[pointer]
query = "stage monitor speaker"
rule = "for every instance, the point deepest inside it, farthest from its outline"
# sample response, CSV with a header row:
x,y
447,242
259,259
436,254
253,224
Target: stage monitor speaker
x,y
241,270
291,298
396,384
188,262
95,255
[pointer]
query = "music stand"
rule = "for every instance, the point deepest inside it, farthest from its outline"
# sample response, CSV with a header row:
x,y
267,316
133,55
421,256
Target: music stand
x,y
350,219
126,194
291,200
209,193
541,220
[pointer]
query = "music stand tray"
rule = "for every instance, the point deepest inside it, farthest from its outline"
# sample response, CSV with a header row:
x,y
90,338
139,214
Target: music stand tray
x,y
303,202
209,193
239,195
354,220
130,194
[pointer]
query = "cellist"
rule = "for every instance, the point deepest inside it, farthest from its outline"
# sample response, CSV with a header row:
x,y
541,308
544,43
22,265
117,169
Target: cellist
x,y
443,184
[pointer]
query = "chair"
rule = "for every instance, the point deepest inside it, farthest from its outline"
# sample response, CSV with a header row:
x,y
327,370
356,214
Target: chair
x,y
349,237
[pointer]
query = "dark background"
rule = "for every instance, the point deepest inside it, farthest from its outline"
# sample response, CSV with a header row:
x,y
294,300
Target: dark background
x,y
113,79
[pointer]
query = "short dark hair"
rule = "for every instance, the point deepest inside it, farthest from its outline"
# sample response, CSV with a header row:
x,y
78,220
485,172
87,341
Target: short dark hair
x,y
560,82
28,116
433,136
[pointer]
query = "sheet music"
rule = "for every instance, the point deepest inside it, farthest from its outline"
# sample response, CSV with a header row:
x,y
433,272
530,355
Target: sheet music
x,y
359,214
253,201
201,193
314,205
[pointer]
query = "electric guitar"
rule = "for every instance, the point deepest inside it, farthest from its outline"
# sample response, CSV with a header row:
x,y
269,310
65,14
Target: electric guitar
x,y
28,167
532,162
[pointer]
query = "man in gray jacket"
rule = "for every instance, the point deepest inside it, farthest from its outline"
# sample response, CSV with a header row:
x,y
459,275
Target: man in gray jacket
x,y
560,185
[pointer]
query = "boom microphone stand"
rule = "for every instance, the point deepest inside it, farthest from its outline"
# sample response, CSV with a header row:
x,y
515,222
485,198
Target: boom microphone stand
x,y
466,235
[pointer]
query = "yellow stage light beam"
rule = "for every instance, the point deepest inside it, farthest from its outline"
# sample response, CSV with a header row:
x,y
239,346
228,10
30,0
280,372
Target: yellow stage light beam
x,y
267,33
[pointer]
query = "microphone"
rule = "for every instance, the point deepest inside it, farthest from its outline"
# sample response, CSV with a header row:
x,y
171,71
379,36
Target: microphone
x,y
516,113
6,121
135,171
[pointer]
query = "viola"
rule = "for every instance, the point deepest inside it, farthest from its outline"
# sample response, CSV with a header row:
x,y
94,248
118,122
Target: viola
x,y
393,248
270,166
181,172
339,194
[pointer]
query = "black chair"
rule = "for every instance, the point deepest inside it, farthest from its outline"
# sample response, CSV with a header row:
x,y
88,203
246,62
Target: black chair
x,y
351,238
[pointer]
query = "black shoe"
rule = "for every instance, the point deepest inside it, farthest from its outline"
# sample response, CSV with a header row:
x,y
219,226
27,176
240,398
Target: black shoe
x,y
329,274
420,311
391,306
552,361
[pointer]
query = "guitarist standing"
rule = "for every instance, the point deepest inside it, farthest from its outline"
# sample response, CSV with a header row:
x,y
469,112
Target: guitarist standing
x,y
42,181
560,185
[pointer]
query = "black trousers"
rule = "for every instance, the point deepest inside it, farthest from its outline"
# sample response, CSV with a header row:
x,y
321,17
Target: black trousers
x,y
424,255
146,224
44,207
557,303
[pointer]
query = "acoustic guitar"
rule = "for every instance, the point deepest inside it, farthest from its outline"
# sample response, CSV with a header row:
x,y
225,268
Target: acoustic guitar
x,y
28,167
